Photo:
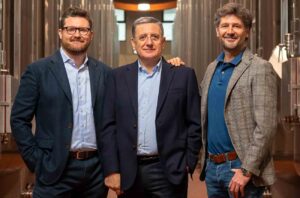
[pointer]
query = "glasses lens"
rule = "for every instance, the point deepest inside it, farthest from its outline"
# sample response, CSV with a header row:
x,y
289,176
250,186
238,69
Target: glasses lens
x,y
82,30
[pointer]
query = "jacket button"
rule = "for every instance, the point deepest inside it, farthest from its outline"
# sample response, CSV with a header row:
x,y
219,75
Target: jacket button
x,y
134,126
70,125
133,147
67,146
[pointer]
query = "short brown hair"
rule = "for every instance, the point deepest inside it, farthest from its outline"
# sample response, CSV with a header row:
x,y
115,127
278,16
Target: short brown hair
x,y
143,20
75,12
234,9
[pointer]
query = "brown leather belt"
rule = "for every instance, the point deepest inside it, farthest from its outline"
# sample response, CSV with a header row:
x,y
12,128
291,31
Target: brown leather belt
x,y
83,155
147,159
223,157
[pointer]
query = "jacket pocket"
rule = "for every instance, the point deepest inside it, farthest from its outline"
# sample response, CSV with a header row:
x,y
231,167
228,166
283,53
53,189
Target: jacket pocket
x,y
45,143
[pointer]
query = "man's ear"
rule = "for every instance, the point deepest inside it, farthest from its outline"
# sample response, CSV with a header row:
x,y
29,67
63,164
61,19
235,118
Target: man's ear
x,y
217,32
133,45
59,33
92,35
248,34
163,42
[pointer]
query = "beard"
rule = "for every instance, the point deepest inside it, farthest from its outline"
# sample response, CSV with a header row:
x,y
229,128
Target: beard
x,y
75,49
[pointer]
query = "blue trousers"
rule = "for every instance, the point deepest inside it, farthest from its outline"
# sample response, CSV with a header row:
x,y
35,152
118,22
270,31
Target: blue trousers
x,y
218,177
151,182
81,178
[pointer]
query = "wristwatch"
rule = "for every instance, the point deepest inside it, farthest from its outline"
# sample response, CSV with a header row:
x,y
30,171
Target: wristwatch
x,y
246,173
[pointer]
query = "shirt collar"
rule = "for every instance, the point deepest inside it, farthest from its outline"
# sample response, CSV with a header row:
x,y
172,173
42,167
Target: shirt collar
x,y
237,59
67,59
156,68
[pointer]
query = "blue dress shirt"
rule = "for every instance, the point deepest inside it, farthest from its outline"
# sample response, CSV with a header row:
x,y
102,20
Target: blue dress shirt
x,y
83,134
218,139
148,89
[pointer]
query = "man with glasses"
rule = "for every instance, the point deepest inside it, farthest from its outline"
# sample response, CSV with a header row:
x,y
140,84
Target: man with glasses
x,y
64,92
151,122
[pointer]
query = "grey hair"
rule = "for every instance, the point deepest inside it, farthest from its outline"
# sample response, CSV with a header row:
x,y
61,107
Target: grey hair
x,y
143,20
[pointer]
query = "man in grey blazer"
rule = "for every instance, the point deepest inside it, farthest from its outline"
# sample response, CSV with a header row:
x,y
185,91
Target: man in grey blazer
x,y
238,112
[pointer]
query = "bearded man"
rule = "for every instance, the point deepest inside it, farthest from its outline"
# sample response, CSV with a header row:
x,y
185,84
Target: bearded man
x,y
64,92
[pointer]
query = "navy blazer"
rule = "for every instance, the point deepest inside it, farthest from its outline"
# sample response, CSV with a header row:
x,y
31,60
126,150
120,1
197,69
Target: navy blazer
x,y
177,123
45,94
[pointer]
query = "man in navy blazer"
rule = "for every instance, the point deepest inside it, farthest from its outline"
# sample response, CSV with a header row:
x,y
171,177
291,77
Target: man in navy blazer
x,y
151,123
64,92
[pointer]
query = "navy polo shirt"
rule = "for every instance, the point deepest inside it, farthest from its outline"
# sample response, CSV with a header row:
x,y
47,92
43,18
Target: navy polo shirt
x,y
218,140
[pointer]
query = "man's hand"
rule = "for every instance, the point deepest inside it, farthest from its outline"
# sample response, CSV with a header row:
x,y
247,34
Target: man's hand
x,y
238,183
175,61
113,181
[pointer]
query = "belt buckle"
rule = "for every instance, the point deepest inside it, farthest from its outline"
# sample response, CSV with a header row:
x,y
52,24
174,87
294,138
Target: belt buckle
x,y
147,159
79,155
226,157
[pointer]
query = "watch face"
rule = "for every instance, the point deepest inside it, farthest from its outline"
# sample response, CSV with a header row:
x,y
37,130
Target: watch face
x,y
245,172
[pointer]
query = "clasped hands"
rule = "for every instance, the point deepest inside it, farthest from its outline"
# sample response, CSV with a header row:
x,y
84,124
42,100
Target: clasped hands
x,y
113,181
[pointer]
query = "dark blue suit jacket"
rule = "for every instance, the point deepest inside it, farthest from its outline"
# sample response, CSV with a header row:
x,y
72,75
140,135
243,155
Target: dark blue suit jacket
x,y
177,123
45,93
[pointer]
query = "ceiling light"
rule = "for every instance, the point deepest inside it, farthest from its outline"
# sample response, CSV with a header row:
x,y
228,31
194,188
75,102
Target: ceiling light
x,y
143,6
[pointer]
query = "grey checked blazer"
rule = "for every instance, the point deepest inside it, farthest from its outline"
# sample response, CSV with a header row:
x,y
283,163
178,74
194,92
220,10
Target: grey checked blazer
x,y
250,115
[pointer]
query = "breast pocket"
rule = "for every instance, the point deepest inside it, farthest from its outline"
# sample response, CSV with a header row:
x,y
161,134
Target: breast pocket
x,y
175,102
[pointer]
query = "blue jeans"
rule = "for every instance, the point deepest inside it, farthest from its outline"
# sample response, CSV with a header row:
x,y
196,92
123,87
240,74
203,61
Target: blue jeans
x,y
218,177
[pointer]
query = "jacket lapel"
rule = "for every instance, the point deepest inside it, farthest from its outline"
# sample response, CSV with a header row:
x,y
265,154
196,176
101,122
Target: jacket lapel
x,y
132,84
59,71
94,78
167,74
238,71
204,89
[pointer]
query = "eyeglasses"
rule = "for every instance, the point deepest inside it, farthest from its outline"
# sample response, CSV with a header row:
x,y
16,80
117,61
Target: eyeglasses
x,y
72,30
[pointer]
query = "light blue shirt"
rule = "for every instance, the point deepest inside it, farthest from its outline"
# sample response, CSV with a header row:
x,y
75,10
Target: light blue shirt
x,y
83,134
148,89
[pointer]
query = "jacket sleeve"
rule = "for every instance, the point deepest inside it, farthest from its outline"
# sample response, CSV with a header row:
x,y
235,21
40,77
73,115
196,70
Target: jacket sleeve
x,y
193,121
264,90
22,114
108,141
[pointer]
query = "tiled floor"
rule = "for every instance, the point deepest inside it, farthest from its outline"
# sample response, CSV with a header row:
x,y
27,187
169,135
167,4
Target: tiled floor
x,y
196,188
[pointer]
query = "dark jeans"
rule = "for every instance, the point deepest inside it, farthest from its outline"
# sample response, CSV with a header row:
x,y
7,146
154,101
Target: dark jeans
x,y
218,177
81,178
151,182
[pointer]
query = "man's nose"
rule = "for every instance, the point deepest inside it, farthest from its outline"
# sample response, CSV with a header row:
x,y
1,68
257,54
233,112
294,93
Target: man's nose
x,y
149,40
230,30
77,33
